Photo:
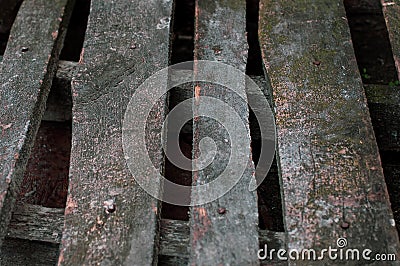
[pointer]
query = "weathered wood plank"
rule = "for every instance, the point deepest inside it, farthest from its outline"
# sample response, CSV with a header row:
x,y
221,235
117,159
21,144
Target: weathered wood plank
x,y
59,102
391,11
225,230
37,223
34,222
19,252
333,185
26,74
126,42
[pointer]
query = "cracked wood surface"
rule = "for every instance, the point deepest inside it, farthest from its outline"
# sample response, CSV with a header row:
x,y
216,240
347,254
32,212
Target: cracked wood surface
x,y
333,184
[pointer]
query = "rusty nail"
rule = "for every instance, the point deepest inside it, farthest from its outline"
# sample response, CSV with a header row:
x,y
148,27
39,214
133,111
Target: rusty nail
x,y
317,63
345,225
221,210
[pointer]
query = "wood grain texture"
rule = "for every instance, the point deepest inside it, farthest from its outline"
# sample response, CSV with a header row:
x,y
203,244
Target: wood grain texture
x,y
59,102
37,223
20,252
125,43
333,184
391,12
230,237
26,74
34,222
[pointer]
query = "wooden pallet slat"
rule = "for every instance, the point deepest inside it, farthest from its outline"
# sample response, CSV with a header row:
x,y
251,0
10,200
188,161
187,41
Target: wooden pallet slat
x,y
333,184
125,43
26,74
37,223
225,230
391,11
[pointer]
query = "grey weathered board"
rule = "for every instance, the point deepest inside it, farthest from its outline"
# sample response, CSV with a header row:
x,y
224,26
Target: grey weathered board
x,y
391,11
126,42
225,230
34,222
37,223
333,185
26,74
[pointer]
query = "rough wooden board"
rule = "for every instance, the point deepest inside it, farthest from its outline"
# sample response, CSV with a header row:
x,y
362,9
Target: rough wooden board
x,y
333,185
59,102
26,74
19,252
34,222
230,238
384,106
37,223
391,11
126,42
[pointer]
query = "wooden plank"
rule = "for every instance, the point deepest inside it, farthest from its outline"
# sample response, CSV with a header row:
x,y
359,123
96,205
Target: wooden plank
x,y
223,231
26,74
333,184
34,222
37,223
126,41
19,252
59,102
391,11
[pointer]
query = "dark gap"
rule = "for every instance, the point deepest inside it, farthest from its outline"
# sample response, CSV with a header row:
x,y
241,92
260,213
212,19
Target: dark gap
x,y
391,170
371,41
254,62
269,192
75,36
376,64
46,177
181,50
8,13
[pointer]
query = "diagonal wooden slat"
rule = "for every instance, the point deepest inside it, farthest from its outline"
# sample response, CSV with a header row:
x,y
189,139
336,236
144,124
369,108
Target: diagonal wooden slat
x,y
333,184
125,43
225,230
391,11
26,73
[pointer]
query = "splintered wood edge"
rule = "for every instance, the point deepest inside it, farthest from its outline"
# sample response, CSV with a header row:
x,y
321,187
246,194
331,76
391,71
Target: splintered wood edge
x,y
37,223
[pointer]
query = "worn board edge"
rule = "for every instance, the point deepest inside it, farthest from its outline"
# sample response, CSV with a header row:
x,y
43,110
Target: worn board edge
x,y
274,13
119,53
22,152
38,223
